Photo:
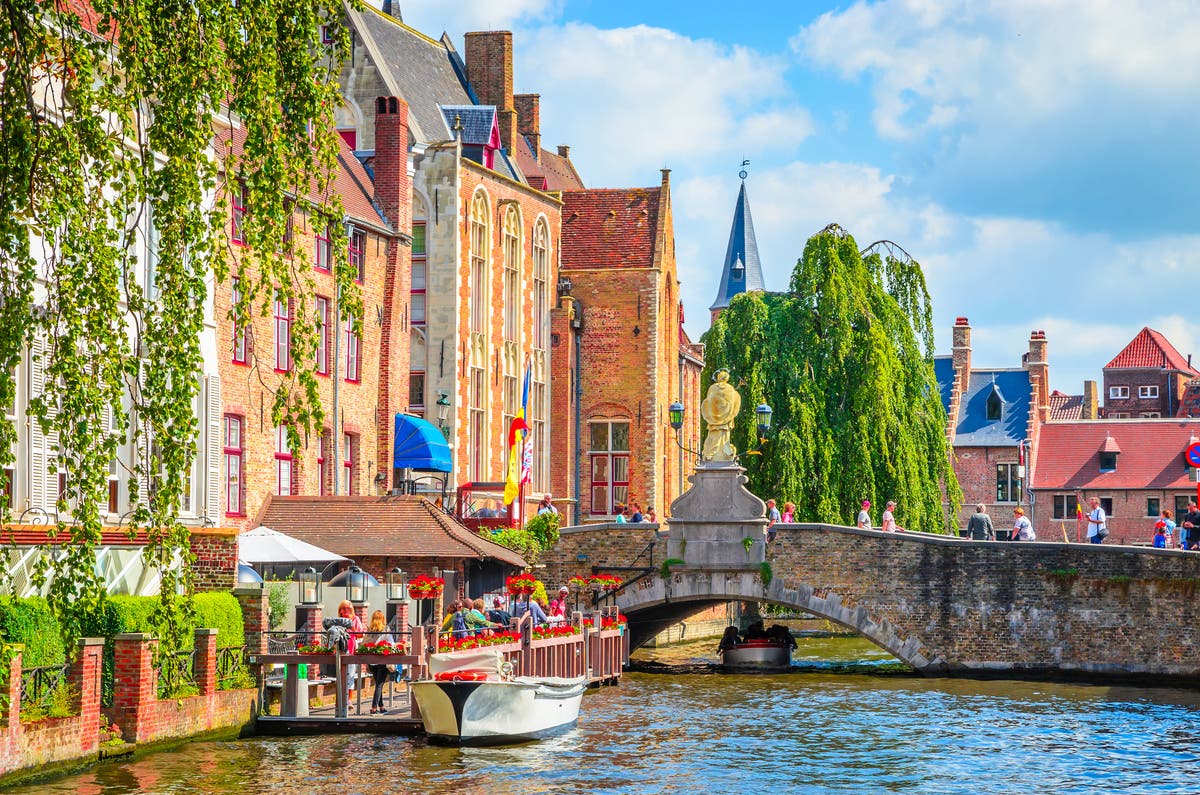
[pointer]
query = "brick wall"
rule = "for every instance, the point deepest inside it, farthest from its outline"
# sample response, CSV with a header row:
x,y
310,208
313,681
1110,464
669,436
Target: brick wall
x,y
248,390
975,468
1170,388
1128,522
216,553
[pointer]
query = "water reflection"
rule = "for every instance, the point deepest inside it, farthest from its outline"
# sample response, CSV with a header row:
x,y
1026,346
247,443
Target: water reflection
x,y
807,731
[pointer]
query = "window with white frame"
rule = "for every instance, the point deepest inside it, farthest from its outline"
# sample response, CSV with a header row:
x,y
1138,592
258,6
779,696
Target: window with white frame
x,y
239,329
1150,415
233,465
324,254
283,463
349,448
239,200
283,334
322,311
352,363
1065,506
537,411
1118,392
476,427
608,455
1008,484
324,464
357,254
511,247
416,393
1148,392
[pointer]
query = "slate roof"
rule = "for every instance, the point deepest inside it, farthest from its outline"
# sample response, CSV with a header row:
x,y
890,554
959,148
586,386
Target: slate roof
x,y
1151,457
609,228
403,526
1151,350
974,428
415,67
477,122
1064,406
743,249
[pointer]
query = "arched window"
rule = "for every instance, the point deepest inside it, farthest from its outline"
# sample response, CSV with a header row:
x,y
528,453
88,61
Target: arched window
x,y
512,273
538,409
480,301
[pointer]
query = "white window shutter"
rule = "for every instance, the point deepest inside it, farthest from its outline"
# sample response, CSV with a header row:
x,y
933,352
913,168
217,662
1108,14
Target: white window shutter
x,y
106,425
213,448
141,449
43,474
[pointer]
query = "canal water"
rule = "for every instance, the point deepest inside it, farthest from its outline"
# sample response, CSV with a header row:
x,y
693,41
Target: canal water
x,y
848,719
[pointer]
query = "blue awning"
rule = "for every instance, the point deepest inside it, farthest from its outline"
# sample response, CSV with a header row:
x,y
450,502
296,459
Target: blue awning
x,y
419,445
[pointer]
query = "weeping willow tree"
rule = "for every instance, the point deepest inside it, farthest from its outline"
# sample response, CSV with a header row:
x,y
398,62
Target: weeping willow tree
x,y
845,360
113,118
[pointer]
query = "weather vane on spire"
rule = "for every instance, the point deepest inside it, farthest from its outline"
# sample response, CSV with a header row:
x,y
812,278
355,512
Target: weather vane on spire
x,y
743,173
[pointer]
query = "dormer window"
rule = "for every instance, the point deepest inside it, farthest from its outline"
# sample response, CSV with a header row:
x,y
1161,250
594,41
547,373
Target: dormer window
x,y
995,404
738,271
1108,455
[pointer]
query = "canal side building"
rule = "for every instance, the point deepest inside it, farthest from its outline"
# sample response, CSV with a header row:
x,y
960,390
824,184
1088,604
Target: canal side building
x,y
485,234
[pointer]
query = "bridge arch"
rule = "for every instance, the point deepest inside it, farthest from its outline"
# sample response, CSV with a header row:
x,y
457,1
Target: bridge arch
x,y
654,604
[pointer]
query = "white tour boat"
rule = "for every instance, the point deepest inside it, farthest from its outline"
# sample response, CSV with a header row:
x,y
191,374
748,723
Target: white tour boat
x,y
474,700
761,652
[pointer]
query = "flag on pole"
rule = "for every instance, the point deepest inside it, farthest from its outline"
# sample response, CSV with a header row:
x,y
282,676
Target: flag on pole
x,y
519,447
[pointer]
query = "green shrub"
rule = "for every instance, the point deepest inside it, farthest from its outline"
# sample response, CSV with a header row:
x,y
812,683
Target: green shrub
x,y
518,540
544,529
29,622
278,592
221,611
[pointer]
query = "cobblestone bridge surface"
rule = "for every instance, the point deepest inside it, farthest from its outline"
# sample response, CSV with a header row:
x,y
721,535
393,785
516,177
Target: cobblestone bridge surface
x,y
943,605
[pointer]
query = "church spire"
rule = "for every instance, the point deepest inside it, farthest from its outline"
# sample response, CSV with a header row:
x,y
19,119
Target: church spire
x,y
742,271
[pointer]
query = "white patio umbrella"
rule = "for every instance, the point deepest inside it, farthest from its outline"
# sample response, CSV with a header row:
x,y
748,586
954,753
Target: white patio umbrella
x,y
265,546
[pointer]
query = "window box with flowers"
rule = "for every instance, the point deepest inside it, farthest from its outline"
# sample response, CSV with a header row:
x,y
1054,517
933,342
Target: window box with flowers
x,y
520,584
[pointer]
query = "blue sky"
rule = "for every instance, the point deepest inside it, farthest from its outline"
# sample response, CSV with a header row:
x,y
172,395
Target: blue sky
x,y
1040,159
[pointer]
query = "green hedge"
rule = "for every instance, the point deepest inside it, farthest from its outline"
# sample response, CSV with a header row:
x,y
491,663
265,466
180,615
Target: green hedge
x,y
221,611
29,622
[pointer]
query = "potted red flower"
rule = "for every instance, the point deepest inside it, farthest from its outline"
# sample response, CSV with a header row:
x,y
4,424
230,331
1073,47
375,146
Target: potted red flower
x,y
425,587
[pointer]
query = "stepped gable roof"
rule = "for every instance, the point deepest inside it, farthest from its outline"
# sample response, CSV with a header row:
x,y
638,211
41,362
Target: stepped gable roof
x,y
478,123
1151,350
1189,403
351,181
742,252
413,66
974,428
1064,406
400,526
1152,457
609,228
551,172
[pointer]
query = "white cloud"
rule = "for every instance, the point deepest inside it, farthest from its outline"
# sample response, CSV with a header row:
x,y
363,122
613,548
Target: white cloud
x,y
632,100
431,17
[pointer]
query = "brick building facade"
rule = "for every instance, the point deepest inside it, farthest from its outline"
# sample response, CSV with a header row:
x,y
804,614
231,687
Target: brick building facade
x,y
633,359
993,420
361,375
1147,379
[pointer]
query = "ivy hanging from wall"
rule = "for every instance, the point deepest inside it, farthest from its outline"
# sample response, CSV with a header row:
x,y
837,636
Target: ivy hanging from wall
x,y
125,128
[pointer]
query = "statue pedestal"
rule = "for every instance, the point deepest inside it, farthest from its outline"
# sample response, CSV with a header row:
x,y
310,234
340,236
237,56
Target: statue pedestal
x,y
717,523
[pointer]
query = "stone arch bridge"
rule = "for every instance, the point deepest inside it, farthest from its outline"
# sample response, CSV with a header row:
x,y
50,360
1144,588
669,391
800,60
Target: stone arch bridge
x,y
942,605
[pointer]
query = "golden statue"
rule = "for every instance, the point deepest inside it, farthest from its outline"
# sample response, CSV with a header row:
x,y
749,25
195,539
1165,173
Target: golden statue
x,y
719,409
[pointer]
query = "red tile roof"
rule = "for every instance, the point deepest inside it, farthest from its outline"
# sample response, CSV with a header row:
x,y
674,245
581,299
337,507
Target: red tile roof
x,y
1151,350
1064,406
351,180
549,172
1151,458
611,228
404,526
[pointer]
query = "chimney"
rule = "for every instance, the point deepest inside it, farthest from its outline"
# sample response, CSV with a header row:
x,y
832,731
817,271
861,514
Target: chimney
x,y
393,194
391,160
1039,368
961,349
564,151
529,121
490,73
1091,402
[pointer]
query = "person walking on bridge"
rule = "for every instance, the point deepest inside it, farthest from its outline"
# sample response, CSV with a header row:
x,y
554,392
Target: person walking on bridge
x,y
889,519
979,526
1097,522
864,516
